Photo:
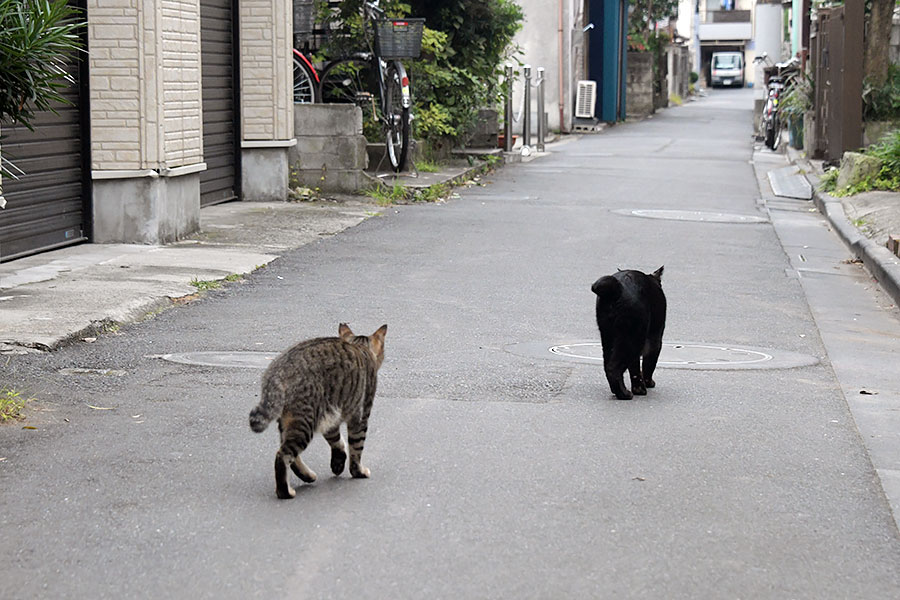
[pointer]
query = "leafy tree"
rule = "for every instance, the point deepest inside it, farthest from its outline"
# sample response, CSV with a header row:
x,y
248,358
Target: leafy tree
x,y
464,46
645,14
37,41
462,64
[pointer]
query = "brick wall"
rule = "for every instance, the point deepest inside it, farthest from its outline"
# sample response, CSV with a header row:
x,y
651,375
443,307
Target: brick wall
x,y
145,83
266,70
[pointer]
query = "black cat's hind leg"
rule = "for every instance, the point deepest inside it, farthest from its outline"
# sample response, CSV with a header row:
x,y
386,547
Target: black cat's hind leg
x,y
615,376
637,380
338,451
356,440
651,357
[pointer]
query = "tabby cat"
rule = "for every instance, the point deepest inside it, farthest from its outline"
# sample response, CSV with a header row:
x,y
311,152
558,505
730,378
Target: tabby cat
x,y
314,387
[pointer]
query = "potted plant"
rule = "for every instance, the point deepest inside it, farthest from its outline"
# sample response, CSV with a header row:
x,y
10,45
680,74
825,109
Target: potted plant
x,y
794,104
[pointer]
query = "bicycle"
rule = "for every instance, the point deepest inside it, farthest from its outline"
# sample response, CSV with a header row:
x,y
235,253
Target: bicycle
x,y
770,124
350,79
306,80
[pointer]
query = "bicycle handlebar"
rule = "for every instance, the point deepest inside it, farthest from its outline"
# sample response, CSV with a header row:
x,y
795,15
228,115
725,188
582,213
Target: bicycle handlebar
x,y
373,6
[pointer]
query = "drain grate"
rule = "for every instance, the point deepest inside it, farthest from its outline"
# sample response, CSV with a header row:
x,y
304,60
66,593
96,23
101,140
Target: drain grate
x,y
693,215
676,355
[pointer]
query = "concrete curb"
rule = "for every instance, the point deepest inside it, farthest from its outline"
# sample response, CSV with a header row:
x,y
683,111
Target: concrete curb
x,y
883,265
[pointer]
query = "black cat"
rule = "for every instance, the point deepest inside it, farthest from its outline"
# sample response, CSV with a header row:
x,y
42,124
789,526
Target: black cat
x,y
631,315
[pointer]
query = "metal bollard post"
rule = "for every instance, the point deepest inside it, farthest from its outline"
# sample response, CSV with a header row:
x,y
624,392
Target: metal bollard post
x,y
526,123
541,126
508,111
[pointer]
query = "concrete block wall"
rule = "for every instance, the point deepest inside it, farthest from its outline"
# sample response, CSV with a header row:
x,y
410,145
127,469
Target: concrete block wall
x,y
639,85
331,150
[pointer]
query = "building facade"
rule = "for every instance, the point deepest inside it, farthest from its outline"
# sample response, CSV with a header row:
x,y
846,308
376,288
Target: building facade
x,y
178,104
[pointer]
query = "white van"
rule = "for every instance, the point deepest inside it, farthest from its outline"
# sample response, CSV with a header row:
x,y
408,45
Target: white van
x,y
727,68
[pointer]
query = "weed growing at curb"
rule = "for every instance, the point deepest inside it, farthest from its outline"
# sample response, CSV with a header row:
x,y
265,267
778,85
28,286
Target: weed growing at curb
x,y
433,193
427,166
384,197
828,182
205,286
11,405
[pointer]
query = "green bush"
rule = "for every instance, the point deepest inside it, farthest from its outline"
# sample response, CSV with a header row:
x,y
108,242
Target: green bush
x,y
888,152
888,178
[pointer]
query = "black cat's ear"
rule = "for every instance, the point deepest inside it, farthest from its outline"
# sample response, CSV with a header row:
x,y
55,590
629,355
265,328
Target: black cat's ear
x,y
657,274
344,332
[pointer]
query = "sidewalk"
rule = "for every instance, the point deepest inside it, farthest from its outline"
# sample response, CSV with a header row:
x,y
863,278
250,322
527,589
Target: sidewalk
x,y
863,221
62,296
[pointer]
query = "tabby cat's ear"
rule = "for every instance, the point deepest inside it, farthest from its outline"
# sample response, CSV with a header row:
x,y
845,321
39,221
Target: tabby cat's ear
x,y
377,343
344,332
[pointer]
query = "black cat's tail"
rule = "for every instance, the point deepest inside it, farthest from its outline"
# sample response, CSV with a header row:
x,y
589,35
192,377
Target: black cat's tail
x,y
269,407
607,288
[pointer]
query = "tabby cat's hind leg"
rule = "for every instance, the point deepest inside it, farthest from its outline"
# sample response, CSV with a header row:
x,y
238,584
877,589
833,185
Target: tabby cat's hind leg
x,y
283,489
338,451
356,439
294,441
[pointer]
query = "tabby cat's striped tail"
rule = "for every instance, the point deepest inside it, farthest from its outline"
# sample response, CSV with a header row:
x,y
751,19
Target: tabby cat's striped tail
x,y
268,409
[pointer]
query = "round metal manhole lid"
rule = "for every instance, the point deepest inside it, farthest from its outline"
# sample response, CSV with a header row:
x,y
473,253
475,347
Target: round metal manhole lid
x,y
693,215
241,360
676,355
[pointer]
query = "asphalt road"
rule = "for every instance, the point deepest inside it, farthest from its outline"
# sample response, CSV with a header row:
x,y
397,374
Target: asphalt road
x,y
495,473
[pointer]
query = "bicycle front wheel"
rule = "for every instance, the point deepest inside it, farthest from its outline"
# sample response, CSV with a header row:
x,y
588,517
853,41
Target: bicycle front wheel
x,y
305,82
396,116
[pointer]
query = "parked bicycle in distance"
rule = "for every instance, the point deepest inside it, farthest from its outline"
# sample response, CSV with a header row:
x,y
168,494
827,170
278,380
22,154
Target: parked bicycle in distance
x,y
771,123
361,76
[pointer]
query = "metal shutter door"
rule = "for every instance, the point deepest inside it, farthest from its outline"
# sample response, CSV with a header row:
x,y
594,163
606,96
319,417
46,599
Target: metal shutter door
x,y
218,183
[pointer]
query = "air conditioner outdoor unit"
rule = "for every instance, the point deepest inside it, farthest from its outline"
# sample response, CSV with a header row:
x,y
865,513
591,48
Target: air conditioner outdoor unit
x,y
586,99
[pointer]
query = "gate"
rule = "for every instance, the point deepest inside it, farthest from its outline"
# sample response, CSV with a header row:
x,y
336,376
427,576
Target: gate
x,y
837,48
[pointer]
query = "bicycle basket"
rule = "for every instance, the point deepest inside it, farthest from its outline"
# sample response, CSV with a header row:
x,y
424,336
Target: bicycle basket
x,y
400,38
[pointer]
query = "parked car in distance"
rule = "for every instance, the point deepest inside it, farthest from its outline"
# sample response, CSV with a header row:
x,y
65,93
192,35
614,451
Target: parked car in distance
x,y
727,68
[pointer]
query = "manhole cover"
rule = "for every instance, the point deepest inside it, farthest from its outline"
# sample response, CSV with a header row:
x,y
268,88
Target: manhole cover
x,y
241,360
676,355
693,215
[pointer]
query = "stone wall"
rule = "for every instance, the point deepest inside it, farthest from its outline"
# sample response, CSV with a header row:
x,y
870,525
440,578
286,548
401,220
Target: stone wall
x,y
639,85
